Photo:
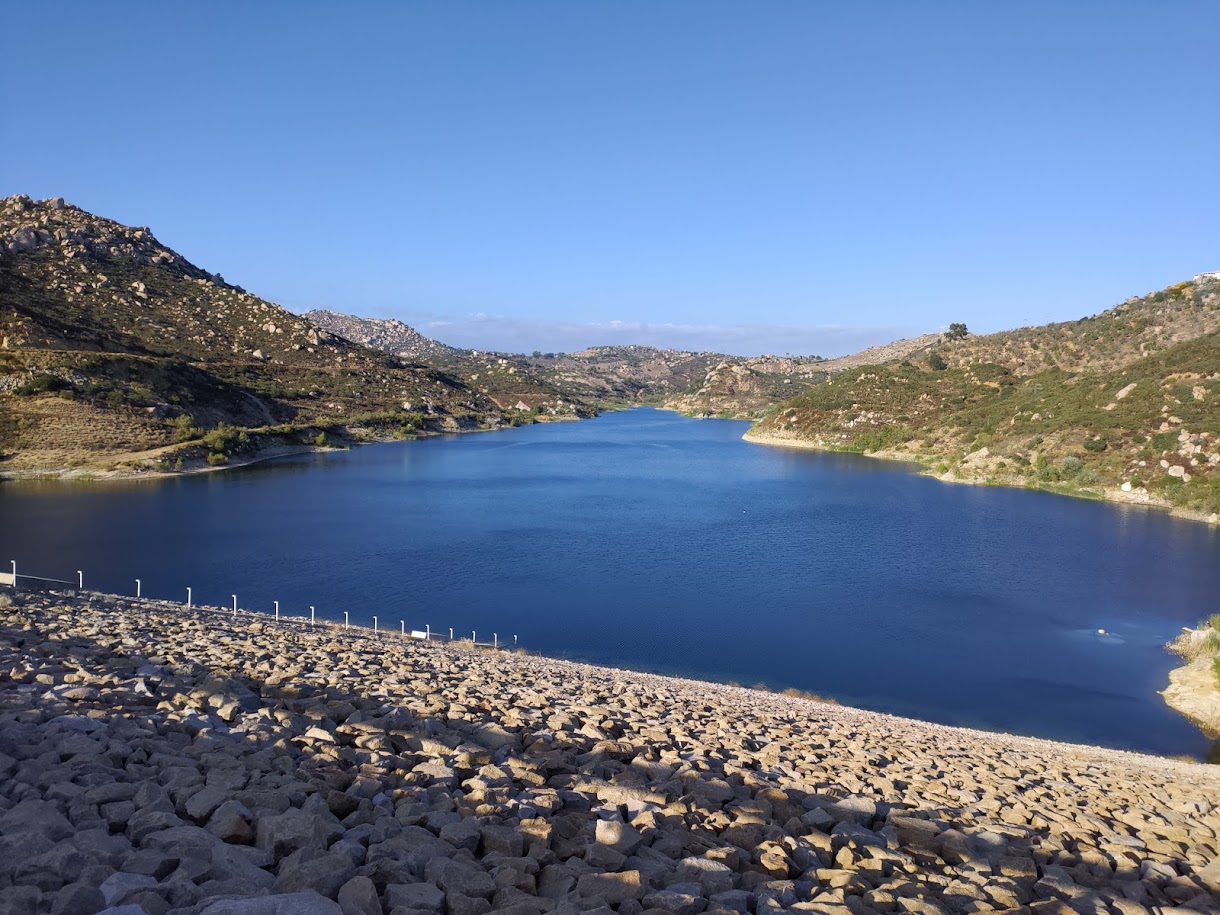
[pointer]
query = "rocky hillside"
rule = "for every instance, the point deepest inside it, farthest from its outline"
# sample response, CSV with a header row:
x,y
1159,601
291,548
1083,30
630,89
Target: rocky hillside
x,y
734,390
747,388
877,355
389,335
508,378
114,348
699,384
197,764
632,373
1125,405
1139,327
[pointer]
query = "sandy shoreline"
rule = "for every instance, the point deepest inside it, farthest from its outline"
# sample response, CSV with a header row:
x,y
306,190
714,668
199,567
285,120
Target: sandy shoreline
x,y
329,771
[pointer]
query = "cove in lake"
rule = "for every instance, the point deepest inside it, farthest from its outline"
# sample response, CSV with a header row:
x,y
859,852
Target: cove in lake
x,y
647,540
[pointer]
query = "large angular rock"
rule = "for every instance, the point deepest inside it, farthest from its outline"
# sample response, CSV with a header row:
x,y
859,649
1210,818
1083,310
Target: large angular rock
x,y
417,896
614,888
359,897
713,876
284,833
285,904
307,869
119,885
618,835
78,899
675,902
37,816
182,841
459,877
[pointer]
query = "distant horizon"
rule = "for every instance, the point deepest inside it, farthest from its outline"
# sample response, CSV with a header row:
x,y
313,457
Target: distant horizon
x,y
656,335
467,332
700,174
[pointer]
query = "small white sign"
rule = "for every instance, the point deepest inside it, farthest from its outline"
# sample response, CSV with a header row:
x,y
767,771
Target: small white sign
x,y
418,634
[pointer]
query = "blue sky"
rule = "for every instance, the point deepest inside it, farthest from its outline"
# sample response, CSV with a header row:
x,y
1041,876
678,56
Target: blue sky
x,y
806,177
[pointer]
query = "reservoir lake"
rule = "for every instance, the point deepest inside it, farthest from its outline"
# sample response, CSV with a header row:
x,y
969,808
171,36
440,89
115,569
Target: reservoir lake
x,y
646,540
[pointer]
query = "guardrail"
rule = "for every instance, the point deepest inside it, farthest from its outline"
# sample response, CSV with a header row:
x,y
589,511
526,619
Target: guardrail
x,y
39,582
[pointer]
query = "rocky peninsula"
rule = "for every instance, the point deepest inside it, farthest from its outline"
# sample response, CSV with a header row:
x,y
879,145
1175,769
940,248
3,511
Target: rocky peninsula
x,y
162,760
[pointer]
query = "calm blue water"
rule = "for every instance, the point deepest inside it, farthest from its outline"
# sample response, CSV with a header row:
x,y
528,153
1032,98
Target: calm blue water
x,y
648,540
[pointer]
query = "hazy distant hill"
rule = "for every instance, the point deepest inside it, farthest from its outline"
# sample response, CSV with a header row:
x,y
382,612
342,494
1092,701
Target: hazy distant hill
x,y
113,344
693,382
1124,404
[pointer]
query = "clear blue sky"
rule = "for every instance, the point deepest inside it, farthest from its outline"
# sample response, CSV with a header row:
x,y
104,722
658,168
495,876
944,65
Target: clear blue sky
x,y
781,176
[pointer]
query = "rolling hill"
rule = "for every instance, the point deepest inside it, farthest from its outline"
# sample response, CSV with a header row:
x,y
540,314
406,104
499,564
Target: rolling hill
x,y
117,352
1123,405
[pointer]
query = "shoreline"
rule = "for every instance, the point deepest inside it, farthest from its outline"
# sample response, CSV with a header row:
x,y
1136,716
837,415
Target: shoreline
x,y
1193,693
312,766
1109,495
111,474
84,475
515,654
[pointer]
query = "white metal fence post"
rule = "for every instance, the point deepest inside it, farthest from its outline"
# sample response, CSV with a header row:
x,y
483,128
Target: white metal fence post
x,y
188,598
311,616
137,587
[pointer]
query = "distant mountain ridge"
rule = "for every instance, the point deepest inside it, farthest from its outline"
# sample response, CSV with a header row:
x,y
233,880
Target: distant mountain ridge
x,y
631,373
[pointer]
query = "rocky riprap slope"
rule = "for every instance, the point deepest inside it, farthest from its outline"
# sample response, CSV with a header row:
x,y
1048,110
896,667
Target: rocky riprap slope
x,y
175,761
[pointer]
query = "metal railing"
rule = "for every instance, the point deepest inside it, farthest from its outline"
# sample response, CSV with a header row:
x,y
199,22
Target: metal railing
x,y
18,581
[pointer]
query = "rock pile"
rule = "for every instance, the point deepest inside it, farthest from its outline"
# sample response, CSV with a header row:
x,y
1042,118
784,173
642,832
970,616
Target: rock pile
x,y
154,760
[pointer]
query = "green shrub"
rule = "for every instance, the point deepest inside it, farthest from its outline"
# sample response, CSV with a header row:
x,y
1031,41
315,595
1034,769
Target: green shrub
x,y
1164,441
1095,444
226,439
937,362
43,383
216,459
879,439
185,429
320,441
